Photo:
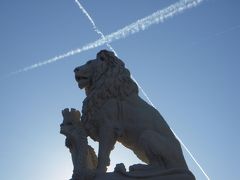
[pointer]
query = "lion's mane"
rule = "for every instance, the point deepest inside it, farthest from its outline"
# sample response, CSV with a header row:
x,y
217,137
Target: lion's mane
x,y
114,82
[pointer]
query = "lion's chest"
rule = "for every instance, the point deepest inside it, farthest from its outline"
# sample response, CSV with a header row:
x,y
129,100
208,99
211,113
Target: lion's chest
x,y
91,125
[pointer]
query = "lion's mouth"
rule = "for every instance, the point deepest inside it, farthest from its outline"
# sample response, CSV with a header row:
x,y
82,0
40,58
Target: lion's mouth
x,y
80,78
83,81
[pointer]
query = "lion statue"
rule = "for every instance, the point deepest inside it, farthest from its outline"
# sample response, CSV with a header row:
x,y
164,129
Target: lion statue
x,y
113,111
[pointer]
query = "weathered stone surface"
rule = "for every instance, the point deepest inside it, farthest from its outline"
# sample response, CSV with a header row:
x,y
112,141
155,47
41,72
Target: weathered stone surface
x,y
113,111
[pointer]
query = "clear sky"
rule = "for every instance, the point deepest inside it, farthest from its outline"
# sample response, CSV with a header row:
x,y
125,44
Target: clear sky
x,y
189,66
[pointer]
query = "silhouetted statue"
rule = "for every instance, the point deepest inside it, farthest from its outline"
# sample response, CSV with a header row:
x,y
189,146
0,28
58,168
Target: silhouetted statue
x,y
113,111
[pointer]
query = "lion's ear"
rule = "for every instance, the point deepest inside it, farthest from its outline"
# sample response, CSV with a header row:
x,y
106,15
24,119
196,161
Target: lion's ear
x,y
103,55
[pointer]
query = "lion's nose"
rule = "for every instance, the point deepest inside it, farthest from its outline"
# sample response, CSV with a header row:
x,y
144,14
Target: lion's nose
x,y
76,69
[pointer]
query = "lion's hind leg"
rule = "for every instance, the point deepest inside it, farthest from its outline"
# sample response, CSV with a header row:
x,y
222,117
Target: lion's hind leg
x,y
160,150
153,146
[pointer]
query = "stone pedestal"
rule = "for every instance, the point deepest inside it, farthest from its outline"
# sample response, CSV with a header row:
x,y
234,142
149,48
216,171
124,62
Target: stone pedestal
x,y
120,173
117,176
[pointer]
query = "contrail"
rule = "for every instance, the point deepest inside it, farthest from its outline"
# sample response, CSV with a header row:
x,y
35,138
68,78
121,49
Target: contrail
x,y
140,25
94,25
95,28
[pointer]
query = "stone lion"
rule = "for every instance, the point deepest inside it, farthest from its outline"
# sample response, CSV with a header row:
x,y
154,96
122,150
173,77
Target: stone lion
x,y
113,111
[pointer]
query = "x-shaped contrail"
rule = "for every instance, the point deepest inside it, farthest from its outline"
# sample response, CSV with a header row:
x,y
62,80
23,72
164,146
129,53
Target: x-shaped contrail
x,y
140,25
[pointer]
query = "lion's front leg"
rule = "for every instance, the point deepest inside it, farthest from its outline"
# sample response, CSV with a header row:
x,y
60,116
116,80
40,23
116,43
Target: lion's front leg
x,y
107,140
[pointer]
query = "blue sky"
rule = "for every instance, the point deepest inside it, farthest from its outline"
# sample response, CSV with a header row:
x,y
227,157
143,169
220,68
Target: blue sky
x,y
189,67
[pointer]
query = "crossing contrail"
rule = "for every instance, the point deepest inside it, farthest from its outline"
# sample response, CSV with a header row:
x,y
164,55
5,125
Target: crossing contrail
x,y
94,25
95,28
140,25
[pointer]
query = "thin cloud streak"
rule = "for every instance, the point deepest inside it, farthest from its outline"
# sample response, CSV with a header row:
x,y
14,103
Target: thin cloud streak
x,y
140,25
95,28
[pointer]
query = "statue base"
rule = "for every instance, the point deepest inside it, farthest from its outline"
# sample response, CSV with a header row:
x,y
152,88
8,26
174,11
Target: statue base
x,y
120,173
116,176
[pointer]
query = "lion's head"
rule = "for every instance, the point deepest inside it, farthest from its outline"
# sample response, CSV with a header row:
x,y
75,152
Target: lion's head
x,y
103,78
107,73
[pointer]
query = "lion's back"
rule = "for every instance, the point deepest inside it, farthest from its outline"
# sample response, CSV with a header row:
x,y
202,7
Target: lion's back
x,y
143,116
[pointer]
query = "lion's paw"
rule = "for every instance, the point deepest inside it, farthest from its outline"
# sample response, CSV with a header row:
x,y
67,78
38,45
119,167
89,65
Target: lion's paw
x,y
120,168
72,114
